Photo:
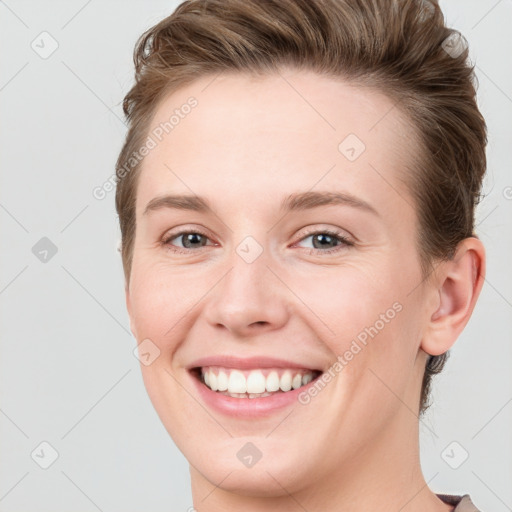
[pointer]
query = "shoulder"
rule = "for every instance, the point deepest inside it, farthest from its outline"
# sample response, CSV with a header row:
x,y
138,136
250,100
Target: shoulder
x,y
462,503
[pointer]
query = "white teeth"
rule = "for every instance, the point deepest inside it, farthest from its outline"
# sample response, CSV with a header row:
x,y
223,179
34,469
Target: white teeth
x,y
253,383
272,381
286,381
245,395
213,381
237,382
306,379
222,381
256,382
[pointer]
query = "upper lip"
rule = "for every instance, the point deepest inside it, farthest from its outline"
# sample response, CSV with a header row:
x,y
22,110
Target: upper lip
x,y
247,363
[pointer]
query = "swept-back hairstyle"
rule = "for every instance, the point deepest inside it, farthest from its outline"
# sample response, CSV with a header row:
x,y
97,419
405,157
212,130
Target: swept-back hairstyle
x,y
401,48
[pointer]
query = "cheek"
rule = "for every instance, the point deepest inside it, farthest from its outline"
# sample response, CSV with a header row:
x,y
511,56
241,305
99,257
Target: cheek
x,y
163,298
349,302
369,319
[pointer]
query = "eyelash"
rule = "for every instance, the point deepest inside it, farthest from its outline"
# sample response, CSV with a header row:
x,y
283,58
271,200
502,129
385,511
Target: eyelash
x,y
344,242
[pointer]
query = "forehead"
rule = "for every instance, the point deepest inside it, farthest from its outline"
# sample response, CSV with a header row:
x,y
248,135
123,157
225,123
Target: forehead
x,y
290,131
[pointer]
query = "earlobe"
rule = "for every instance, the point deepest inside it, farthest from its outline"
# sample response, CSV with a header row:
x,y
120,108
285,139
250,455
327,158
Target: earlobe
x,y
459,284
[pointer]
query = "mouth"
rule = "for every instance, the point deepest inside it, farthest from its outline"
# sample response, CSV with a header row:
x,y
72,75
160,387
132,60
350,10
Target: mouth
x,y
253,383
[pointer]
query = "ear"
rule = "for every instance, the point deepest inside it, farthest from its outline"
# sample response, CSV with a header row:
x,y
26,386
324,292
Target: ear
x,y
457,286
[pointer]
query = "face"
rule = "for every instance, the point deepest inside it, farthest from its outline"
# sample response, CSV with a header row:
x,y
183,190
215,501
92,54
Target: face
x,y
291,266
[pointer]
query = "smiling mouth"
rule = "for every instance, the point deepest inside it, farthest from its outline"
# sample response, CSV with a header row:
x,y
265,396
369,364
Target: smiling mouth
x,y
255,383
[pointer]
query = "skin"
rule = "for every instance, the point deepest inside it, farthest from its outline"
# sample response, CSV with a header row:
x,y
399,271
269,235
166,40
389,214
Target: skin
x,y
248,144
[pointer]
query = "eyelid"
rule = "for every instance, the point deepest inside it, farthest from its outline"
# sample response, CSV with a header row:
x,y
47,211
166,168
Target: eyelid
x,y
344,241
327,230
192,228
170,235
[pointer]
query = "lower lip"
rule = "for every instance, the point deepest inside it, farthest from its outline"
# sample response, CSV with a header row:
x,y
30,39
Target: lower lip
x,y
248,407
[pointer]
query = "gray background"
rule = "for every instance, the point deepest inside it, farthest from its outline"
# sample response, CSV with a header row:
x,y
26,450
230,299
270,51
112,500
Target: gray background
x,y
68,375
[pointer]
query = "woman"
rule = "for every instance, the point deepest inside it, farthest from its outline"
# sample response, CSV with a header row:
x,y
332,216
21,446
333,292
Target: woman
x,y
325,157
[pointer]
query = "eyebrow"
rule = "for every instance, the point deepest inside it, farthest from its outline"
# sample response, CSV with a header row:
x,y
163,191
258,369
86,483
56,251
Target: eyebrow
x,y
294,202
178,202
308,200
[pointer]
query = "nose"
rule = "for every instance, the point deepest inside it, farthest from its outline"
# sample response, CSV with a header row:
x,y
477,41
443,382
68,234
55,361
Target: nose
x,y
249,299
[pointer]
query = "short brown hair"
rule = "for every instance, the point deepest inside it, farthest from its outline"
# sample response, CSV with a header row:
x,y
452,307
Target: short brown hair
x,y
398,47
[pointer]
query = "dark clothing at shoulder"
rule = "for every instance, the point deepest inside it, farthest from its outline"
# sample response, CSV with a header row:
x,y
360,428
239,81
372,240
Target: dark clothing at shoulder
x,y
462,503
